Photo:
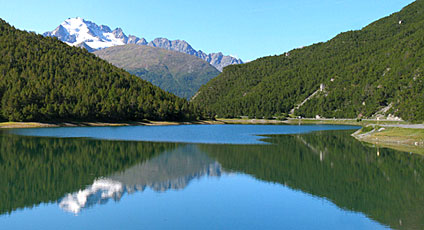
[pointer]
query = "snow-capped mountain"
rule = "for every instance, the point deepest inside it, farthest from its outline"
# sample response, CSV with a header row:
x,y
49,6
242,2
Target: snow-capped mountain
x,y
89,35
82,33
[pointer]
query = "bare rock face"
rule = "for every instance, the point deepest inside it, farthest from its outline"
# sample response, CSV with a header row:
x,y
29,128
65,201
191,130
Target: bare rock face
x,y
85,46
119,34
89,35
62,34
135,40
218,60
176,45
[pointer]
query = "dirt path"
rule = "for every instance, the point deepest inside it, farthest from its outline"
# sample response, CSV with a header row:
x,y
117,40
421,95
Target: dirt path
x,y
306,100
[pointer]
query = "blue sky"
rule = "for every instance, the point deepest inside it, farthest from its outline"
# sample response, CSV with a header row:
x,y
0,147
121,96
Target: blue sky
x,y
248,29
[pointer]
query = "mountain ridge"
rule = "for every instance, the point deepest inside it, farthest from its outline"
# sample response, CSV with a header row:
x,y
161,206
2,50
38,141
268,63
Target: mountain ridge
x,y
83,33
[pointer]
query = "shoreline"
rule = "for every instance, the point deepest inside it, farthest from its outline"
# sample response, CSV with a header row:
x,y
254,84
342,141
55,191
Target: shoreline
x,y
290,121
399,135
322,121
19,125
403,139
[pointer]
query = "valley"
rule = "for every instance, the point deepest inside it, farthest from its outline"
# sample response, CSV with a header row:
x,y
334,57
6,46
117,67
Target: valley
x,y
319,124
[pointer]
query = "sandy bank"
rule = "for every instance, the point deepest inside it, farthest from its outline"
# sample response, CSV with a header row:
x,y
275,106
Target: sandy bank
x,y
13,125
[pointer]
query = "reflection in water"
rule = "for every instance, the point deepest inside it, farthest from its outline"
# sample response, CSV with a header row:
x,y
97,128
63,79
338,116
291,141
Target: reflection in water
x,y
79,173
170,170
98,193
38,170
388,187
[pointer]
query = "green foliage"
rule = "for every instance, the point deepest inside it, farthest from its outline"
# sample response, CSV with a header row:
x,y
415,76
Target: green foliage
x,y
363,71
333,165
43,79
367,129
175,72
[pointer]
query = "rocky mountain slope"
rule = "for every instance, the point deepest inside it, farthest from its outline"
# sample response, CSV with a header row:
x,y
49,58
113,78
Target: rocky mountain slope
x,y
357,74
218,60
89,35
175,72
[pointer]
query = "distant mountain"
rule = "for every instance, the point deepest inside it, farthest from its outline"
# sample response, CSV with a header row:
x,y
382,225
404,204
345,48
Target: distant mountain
x,y
218,60
42,79
77,31
175,72
357,74
86,34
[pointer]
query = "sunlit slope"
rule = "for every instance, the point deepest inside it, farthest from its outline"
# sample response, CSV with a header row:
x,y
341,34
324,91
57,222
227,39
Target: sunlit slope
x,y
175,72
361,72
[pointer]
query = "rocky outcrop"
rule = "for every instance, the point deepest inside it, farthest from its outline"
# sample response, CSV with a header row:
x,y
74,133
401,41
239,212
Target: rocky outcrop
x,y
218,60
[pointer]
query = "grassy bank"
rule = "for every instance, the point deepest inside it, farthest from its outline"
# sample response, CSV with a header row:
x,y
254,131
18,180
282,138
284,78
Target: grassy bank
x,y
379,133
403,139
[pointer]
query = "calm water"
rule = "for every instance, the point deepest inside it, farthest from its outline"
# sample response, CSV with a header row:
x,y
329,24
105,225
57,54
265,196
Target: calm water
x,y
212,134
205,177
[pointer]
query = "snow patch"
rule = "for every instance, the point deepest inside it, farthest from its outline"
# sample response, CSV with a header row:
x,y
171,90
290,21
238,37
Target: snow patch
x,y
96,37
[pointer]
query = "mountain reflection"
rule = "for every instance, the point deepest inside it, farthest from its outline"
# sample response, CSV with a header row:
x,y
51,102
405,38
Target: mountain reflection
x,y
170,170
81,173
98,193
37,170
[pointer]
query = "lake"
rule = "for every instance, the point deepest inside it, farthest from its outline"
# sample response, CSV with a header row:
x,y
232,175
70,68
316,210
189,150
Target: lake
x,y
206,177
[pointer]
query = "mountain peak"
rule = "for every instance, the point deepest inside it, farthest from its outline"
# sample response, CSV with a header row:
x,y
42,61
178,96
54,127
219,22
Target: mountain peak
x,y
73,22
80,32
75,19
83,33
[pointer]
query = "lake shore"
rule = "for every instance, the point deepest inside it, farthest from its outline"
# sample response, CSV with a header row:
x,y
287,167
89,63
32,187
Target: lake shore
x,y
289,121
16,125
399,135
310,121
399,138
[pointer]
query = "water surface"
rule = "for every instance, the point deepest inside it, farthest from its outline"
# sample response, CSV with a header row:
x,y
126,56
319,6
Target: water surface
x,y
214,134
300,180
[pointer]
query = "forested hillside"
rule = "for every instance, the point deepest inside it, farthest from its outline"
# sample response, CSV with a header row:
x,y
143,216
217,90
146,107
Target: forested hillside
x,y
175,72
43,79
362,71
